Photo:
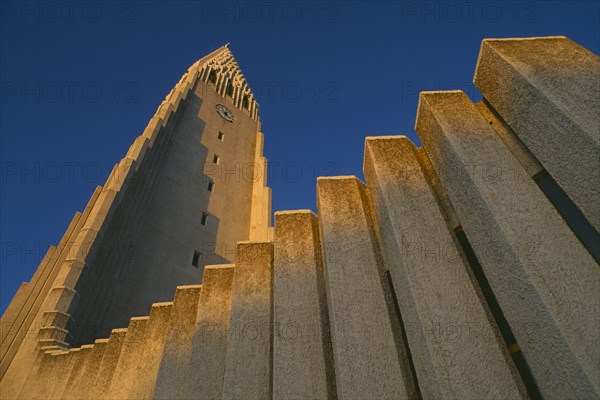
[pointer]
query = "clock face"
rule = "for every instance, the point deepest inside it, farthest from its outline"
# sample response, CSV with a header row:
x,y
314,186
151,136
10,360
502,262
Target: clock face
x,y
225,113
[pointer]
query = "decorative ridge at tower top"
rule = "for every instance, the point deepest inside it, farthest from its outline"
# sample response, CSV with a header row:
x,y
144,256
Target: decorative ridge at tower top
x,y
220,69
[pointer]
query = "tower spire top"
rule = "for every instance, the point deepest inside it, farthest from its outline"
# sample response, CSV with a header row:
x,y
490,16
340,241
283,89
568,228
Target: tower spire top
x,y
222,70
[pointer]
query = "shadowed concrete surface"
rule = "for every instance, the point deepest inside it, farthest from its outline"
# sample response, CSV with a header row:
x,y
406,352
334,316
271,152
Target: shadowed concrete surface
x,y
453,273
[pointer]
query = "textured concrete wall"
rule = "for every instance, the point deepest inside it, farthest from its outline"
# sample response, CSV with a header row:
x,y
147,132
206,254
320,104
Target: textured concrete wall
x,y
450,336
178,344
541,274
116,264
249,342
547,90
206,367
367,344
126,366
432,281
302,354
100,384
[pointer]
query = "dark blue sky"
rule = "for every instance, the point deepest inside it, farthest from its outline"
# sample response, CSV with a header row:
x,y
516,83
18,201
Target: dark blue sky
x,y
81,80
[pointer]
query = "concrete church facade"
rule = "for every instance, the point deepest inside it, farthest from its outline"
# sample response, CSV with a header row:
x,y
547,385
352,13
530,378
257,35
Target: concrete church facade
x,y
465,268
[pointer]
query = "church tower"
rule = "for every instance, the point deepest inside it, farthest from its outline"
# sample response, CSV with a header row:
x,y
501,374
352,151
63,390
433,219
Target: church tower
x,y
465,268
191,186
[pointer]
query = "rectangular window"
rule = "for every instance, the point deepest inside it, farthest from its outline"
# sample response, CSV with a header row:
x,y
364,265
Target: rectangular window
x,y
220,136
204,218
196,258
216,159
210,185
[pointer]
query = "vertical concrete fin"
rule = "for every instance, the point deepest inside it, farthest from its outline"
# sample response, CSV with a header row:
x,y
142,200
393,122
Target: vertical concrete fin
x,y
451,339
369,363
38,374
302,354
62,372
178,344
83,383
80,363
51,374
260,219
125,370
101,384
248,367
148,361
546,90
514,144
541,275
206,367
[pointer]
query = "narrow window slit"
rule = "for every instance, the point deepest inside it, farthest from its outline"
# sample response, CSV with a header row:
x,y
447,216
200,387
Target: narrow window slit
x,y
196,258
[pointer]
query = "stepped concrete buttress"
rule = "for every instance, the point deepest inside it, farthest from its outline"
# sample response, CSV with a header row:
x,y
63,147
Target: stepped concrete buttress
x,y
450,274
166,210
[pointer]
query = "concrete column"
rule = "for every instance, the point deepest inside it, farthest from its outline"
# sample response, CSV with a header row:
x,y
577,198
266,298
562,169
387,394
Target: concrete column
x,y
206,367
302,354
61,370
178,344
367,344
125,370
248,367
514,144
84,384
452,342
77,373
40,373
101,384
547,90
148,360
545,281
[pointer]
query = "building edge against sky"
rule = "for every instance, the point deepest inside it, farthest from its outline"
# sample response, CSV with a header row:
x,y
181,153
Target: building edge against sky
x,y
191,186
489,231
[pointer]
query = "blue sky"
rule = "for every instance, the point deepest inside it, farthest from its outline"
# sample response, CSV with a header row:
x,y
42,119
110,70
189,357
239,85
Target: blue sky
x,y
79,81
